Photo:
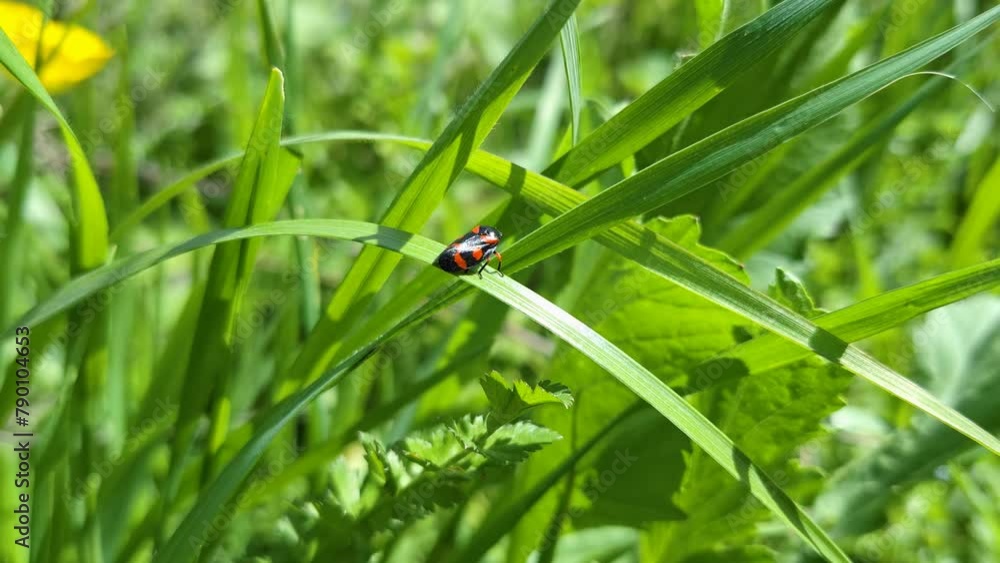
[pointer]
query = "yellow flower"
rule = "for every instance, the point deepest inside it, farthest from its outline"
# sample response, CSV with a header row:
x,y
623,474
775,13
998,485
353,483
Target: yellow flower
x,y
70,53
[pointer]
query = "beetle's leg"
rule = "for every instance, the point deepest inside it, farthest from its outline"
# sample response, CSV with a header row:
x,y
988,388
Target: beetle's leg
x,y
499,264
483,267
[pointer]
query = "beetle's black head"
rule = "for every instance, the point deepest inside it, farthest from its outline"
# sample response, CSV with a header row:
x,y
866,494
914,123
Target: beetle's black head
x,y
490,232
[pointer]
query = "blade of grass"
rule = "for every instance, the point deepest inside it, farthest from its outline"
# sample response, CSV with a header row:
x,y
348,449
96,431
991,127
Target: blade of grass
x,y
851,324
88,230
181,545
89,226
984,209
10,243
569,41
767,221
693,167
258,192
711,20
423,190
688,88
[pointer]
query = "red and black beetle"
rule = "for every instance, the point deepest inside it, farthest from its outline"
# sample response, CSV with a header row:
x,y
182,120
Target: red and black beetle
x,y
470,250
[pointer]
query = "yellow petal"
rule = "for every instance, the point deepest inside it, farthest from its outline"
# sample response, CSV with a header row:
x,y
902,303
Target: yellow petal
x,y
70,53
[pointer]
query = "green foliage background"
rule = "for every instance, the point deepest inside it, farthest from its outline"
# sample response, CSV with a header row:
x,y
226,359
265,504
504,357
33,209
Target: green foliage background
x,y
724,220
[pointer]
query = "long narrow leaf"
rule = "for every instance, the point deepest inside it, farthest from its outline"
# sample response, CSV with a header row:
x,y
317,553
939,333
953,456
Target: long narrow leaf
x,y
688,88
90,222
569,40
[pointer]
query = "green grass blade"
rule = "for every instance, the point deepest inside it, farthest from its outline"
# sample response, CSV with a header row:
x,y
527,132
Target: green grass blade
x,y
693,167
423,190
767,221
273,52
258,192
851,324
193,533
560,323
10,243
711,20
569,40
683,91
169,192
981,216
89,226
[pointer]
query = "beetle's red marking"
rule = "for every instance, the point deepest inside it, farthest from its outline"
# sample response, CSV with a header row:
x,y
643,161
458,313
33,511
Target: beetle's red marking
x,y
477,253
460,261
475,229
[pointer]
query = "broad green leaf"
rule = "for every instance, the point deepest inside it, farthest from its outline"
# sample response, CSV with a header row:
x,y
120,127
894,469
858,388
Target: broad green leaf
x,y
960,352
851,324
685,90
678,329
769,416
617,544
423,190
508,401
627,370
